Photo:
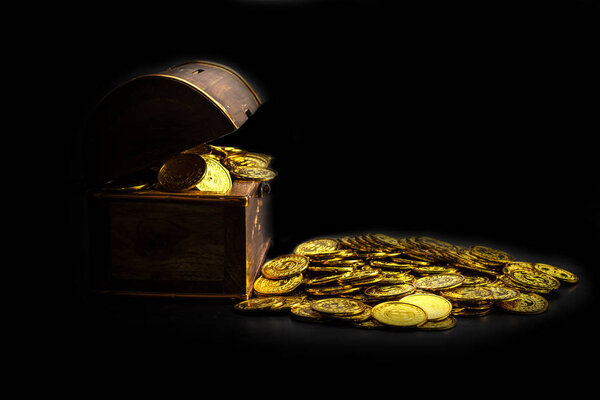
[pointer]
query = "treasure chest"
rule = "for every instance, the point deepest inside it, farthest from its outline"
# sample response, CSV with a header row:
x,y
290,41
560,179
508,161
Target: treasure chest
x,y
146,241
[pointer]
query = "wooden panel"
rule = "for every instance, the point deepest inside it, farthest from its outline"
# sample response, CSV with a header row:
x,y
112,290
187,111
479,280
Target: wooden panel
x,y
167,241
258,236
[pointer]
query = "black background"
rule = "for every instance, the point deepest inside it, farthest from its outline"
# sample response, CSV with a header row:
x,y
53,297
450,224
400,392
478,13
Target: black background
x,y
460,119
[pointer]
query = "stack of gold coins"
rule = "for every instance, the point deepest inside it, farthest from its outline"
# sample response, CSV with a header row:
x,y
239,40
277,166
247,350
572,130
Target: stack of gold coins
x,y
207,168
376,281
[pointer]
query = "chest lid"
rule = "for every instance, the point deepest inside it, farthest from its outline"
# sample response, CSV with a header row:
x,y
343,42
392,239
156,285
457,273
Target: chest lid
x,y
151,117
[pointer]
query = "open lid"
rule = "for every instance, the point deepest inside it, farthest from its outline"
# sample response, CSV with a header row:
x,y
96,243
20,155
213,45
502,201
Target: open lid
x,y
150,118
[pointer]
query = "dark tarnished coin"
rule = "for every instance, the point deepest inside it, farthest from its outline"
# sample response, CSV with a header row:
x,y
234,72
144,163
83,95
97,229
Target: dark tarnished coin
x,y
181,172
254,173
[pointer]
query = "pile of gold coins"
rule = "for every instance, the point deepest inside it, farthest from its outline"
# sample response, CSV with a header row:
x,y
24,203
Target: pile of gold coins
x,y
375,280
206,168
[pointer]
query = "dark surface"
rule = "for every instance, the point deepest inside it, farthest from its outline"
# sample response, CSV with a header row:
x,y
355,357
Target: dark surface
x,y
469,122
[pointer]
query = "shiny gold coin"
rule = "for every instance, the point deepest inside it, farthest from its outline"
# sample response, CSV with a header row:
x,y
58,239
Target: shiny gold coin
x,y
328,268
530,277
361,316
181,172
439,281
393,265
447,323
338,305
436,307
394,277
267,286
259,304
398,314
509,282
246,159
317,247
476,280
556,272
489,254
503,293
254,173
361,276
284,266
434,269
216,179
289,302
468,293
383,291
526,303
332,290
323,280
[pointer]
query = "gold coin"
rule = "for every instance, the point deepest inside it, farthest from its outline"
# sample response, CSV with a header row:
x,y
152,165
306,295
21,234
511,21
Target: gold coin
x,y
393,277
338,305
267,286
259,304
439,281
508,281
446,323
384,291
396,313
254,173
364,315
247,159
393,265
503,293
435,269
361,276
304,312
436,307
530,277
471,312
556,272
468,293
476,280
489,254
289,302
328,268
526,303
181,172
332,290
323,280
317,246
284,266
370,323
216,179
385,240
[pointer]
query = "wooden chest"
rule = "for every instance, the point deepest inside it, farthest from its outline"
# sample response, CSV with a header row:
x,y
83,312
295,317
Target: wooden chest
x,y
156,243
